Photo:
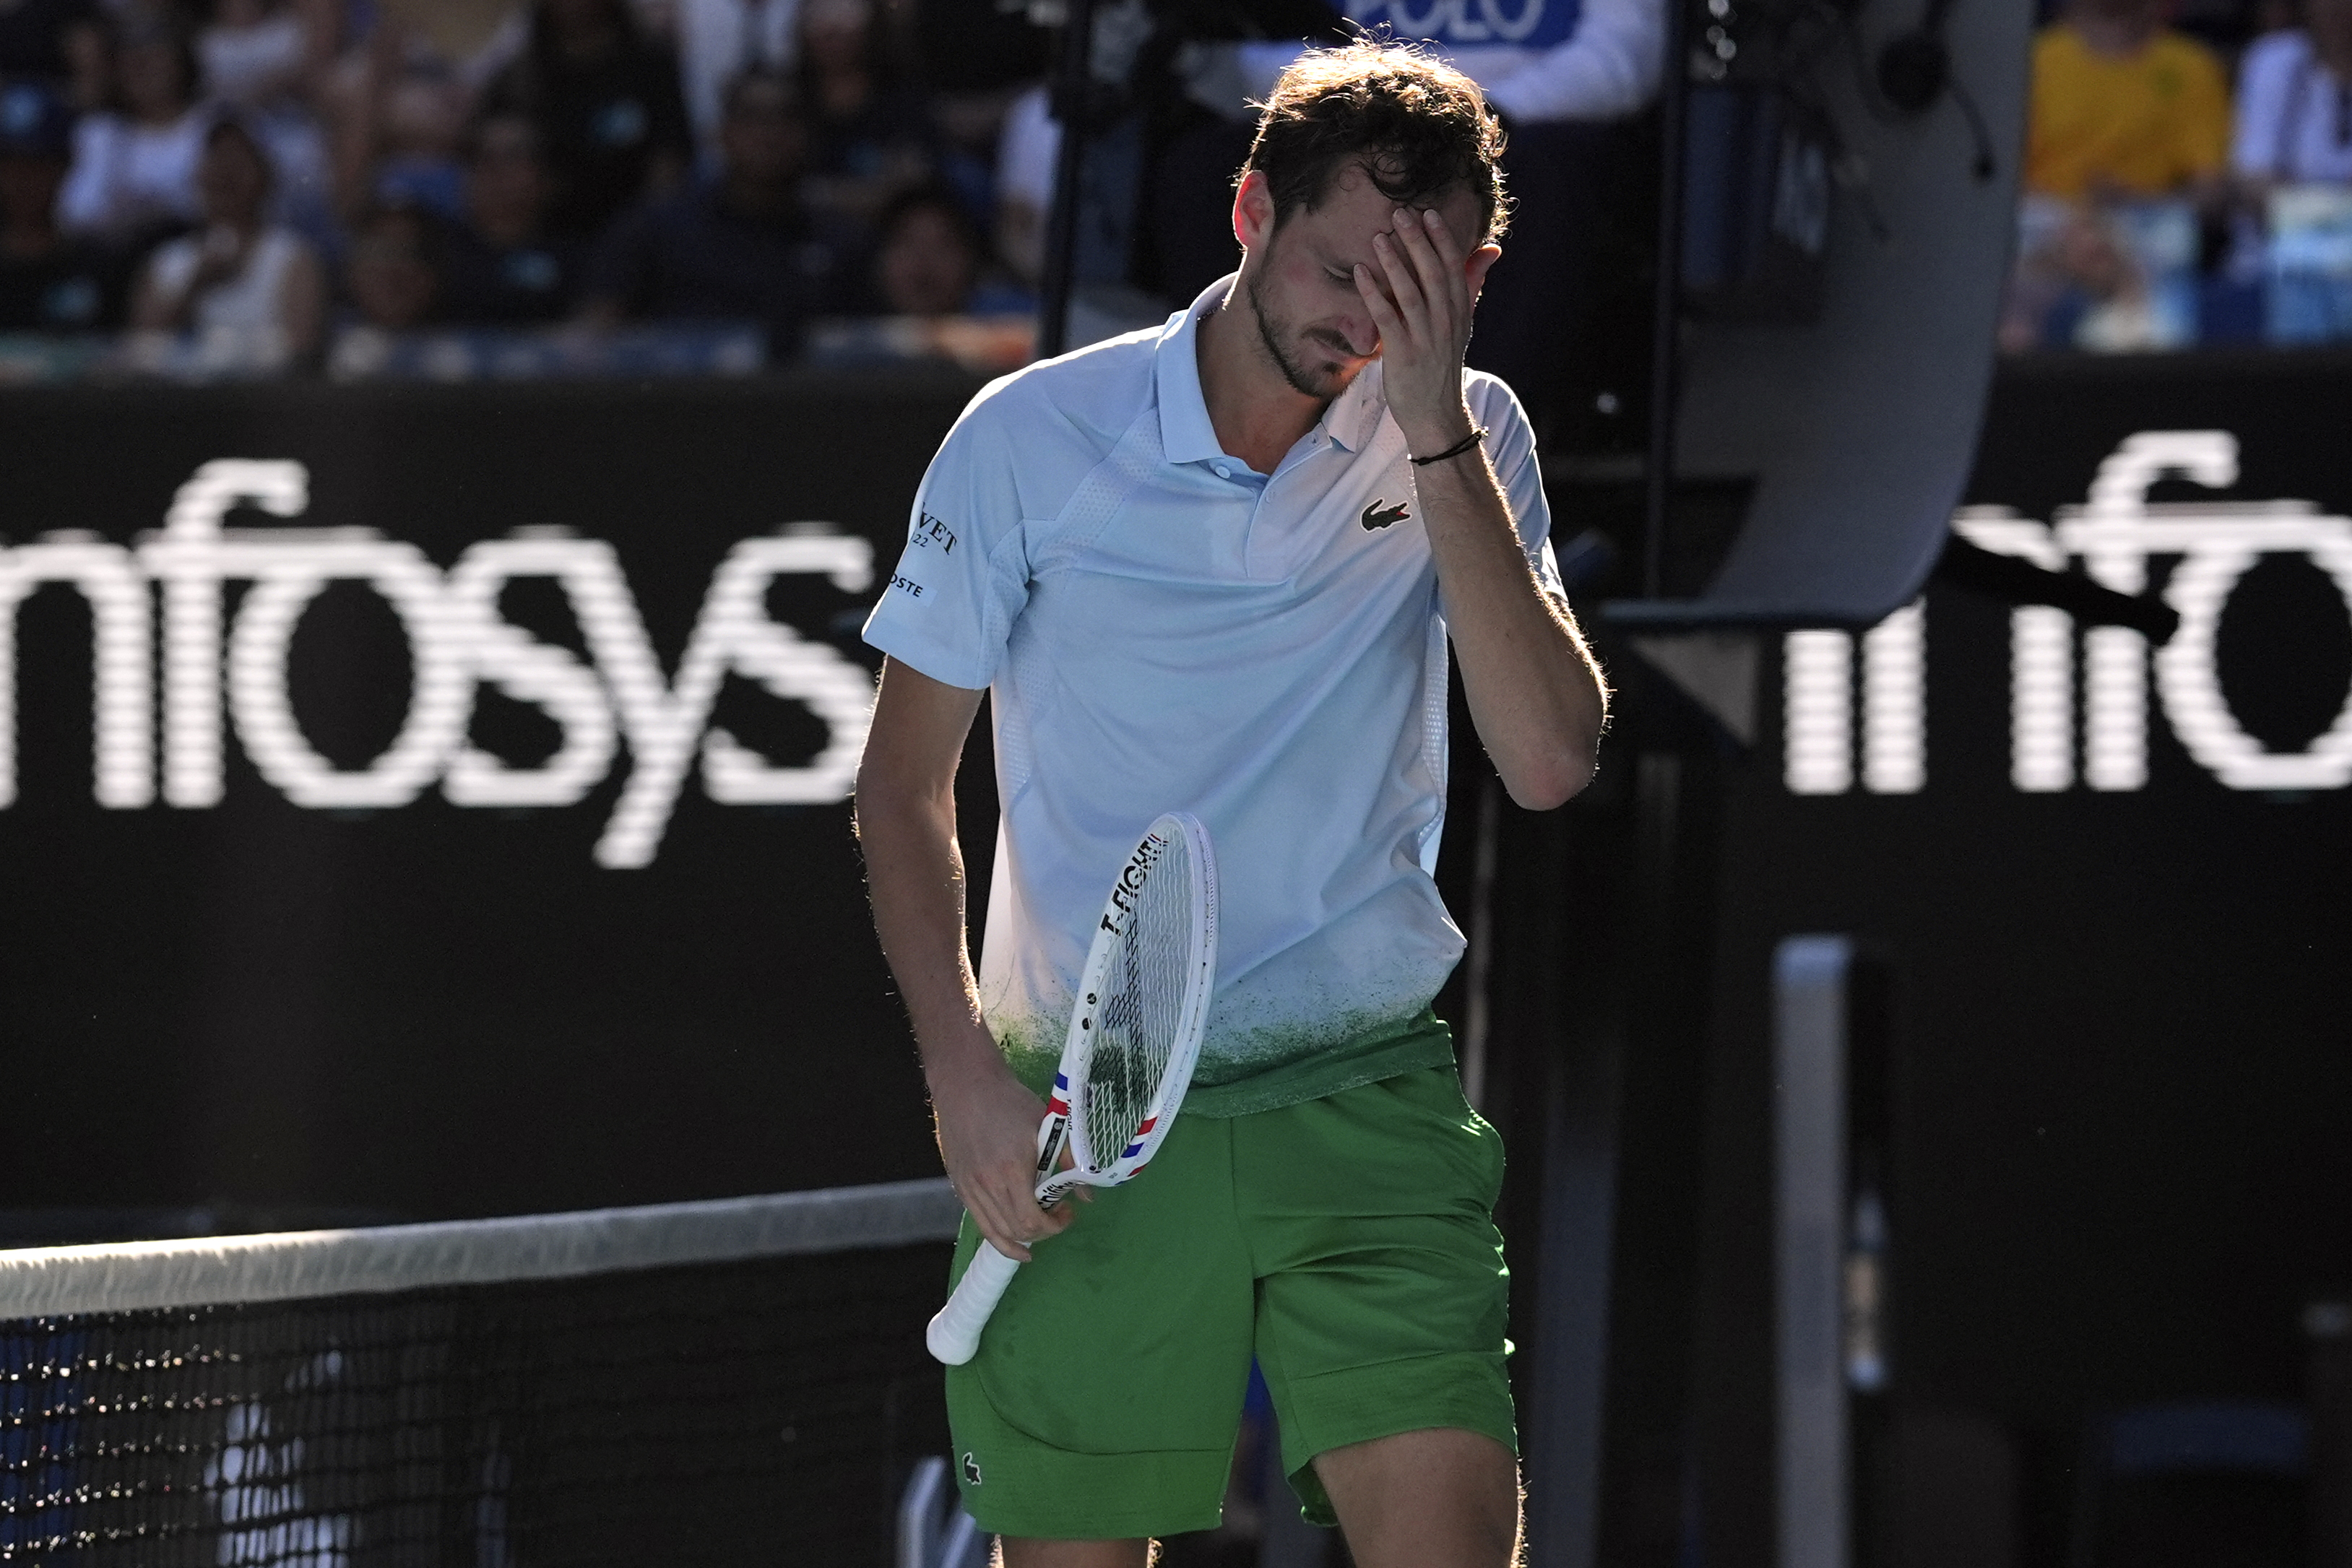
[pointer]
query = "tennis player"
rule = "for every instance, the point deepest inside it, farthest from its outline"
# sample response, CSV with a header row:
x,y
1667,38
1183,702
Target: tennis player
x,y
1214,567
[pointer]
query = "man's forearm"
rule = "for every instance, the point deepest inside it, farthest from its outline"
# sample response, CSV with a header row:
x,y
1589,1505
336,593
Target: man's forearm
x,y
914,868
986,1122
1535,692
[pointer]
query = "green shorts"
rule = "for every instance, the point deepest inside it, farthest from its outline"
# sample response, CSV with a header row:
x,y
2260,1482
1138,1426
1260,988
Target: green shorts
x,y
1346,1242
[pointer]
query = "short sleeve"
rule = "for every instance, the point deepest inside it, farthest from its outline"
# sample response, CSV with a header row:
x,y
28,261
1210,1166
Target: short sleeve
x,y
963,577
1511,447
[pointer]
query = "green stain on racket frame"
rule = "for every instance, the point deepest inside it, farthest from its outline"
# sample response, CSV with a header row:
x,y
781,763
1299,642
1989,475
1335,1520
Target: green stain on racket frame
x,y
1126,1060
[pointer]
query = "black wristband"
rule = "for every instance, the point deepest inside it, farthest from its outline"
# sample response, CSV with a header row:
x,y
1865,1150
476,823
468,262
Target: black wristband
x,y
1477,435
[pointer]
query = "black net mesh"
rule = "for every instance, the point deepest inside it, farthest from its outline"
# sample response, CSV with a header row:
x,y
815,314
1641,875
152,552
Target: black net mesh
x,y
1137,1022
748,1412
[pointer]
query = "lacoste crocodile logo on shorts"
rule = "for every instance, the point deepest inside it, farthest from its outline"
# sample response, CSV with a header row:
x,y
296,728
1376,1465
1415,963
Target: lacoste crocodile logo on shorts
x,y
1380,514
970,1469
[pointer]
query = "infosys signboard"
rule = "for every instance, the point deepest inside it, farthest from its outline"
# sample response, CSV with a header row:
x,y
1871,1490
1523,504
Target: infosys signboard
x,y
437,803
217,665
2104,872
434,801
2081,699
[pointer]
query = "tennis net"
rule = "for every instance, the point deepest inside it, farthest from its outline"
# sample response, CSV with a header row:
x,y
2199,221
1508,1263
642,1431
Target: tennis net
x,y
712,1383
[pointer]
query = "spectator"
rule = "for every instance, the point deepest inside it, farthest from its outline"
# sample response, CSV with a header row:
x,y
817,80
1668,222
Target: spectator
x,y
718,40
392,276
870,135
606,102
503,268
2080,286
49,281
2295,103
925,256
253,285
420,119
264,59
929,259
134,165
256,53
398,109
735,246
1025,154
60,43
2124,107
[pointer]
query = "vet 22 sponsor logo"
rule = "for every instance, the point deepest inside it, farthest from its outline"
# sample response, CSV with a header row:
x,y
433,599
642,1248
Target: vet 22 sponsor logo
x,y
223,671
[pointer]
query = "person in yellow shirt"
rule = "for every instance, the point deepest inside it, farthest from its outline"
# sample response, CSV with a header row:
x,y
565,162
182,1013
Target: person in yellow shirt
x,y
2124,107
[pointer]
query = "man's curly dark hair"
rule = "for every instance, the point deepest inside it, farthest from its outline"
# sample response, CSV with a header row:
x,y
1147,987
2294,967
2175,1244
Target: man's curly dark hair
x,y
1418,127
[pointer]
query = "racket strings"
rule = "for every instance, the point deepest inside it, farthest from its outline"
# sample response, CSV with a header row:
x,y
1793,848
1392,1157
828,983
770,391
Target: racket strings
x,y
1139,1021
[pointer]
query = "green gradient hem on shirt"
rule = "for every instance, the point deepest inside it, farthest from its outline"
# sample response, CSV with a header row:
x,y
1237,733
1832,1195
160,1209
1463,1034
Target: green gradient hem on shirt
x,y
1406,1045
1382,1050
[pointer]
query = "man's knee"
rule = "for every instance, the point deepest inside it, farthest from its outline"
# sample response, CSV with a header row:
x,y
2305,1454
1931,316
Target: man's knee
x,y
1444,1495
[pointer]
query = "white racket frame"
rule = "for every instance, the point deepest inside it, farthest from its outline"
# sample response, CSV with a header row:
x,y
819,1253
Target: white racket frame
x,y
954,1336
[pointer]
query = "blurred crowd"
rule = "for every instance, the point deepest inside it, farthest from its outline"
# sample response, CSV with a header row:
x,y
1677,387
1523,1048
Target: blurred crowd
x,y
465,187
254,185
247,186
2188,177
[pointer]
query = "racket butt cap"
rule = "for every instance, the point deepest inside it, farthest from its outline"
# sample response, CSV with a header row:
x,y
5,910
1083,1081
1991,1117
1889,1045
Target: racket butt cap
x,y
948,1347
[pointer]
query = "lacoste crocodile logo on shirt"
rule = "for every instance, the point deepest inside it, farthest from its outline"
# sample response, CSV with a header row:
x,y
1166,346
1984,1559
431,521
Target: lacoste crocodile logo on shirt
x,y
1380,514
970,1469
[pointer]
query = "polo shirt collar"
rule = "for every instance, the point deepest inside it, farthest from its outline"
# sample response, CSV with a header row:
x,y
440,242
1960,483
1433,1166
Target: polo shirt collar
x,y
1354,417
1185,433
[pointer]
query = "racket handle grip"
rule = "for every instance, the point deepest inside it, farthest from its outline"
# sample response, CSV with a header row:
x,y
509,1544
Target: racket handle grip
x,y
954,1334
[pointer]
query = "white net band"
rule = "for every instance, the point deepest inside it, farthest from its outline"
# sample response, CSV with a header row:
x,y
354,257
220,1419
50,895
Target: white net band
x,y
51,1281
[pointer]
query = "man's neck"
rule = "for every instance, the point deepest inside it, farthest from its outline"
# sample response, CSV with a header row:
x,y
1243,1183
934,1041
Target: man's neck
x,y
1257,414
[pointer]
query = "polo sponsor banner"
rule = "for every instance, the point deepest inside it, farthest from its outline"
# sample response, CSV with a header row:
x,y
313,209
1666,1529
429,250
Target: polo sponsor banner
x,y
1529,24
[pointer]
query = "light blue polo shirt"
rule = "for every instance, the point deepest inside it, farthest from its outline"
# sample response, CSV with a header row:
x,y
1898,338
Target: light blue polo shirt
x,y
1160,629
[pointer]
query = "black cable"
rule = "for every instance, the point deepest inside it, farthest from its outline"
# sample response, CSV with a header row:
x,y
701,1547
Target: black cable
x,y
2015,581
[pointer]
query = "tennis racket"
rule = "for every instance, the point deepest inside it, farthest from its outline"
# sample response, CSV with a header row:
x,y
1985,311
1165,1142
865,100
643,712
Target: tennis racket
x,y
1143,1000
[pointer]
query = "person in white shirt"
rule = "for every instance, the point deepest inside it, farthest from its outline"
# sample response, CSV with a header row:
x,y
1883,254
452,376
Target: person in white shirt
x,y
255,53
251,291
134,166
1027,146
2295,103
1217,567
